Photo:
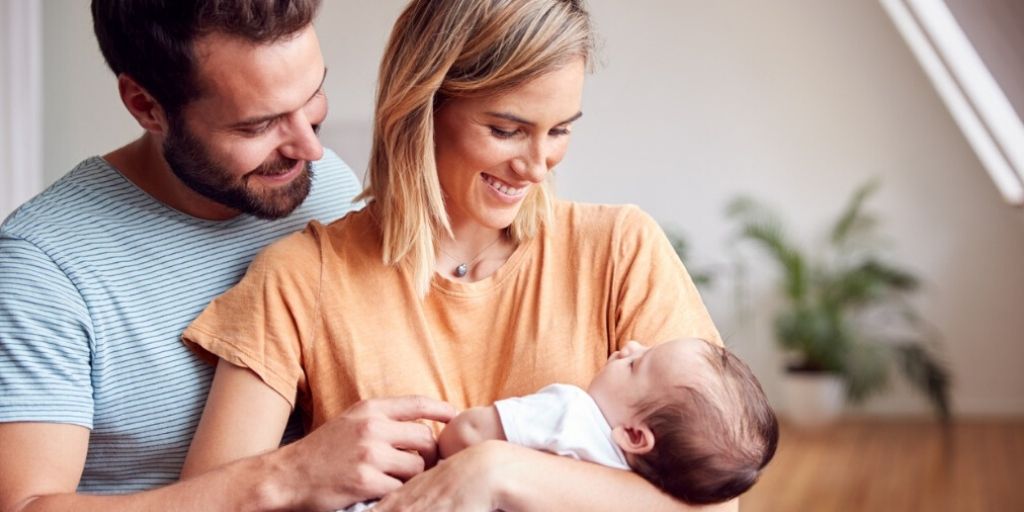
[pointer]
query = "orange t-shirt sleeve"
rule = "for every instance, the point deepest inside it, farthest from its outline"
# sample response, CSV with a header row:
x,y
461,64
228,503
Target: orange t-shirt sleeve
x,y
655,299
265,320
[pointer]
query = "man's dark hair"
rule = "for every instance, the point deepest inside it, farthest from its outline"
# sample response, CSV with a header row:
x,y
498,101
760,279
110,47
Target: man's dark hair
x,y
152,40
707,452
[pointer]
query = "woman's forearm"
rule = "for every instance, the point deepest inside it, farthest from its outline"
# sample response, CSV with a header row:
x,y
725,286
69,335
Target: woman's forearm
x,y
525,483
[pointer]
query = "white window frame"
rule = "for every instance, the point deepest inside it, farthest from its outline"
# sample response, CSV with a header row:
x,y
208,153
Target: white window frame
x,y
21,106
974,98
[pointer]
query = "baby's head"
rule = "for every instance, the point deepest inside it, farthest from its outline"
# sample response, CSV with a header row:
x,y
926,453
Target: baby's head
x,y
690,416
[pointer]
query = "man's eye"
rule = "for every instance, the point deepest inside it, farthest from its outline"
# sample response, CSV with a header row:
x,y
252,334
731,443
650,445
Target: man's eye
x,y
256,129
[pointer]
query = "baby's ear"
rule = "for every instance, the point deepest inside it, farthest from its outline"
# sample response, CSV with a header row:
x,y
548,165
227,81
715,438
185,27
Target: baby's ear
x,y
633,439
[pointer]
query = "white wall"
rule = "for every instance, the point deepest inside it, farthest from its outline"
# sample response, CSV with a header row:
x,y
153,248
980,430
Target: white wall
x,y
82,114
796,101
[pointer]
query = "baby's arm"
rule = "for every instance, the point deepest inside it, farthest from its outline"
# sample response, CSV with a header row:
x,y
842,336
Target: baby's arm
x,y
470,427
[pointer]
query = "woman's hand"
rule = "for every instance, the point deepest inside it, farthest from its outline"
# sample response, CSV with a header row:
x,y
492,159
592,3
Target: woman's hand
x,y
469,481
496,475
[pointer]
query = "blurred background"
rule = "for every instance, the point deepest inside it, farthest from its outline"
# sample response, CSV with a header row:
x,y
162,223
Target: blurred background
x,y
793,103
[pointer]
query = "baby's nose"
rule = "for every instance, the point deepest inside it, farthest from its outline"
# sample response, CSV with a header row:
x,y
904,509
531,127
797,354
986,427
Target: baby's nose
x,y
631,347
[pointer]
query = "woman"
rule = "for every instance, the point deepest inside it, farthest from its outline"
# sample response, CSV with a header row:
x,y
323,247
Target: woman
x,y
462,280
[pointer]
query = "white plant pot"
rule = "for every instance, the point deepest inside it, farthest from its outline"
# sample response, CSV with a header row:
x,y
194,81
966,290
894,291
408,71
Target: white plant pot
x,y
813,399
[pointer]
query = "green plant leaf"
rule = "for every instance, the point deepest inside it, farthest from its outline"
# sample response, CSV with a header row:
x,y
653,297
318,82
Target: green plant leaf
x,y
853,220
868,281
822,327
928,375
761,226
866,371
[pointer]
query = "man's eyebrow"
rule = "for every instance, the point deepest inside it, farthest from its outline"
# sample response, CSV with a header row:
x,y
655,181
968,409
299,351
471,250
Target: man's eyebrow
x,y
516,119
270,117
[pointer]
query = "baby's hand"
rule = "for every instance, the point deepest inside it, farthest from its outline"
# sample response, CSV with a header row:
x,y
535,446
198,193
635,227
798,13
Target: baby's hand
x,y
468,428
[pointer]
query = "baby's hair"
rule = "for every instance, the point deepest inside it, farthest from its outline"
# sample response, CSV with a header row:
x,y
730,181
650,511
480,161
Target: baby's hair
x,y
710,443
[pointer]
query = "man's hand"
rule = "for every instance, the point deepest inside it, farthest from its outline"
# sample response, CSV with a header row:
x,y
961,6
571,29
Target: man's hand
x,y
364,453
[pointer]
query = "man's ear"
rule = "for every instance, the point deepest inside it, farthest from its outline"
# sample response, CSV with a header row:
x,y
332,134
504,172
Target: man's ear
x,y
634,439
141,105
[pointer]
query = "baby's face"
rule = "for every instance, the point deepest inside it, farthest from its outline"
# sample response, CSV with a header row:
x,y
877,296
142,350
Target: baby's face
x,y
637,375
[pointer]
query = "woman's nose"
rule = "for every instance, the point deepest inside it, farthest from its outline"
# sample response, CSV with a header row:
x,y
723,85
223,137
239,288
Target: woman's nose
x,y
530,169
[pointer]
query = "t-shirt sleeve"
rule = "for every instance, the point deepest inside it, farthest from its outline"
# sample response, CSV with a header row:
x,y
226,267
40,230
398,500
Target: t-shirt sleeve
x,y
563,420
264,322
654,299
45,340
537,420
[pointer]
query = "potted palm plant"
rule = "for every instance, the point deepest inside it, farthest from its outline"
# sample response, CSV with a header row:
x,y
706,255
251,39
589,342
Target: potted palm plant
x,y
845,321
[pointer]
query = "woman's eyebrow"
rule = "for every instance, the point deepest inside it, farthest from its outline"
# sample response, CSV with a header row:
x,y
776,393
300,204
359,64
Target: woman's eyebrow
x,y
516,119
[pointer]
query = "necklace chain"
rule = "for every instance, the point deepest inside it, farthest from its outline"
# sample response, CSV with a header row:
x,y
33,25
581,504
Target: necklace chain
x,y
463,268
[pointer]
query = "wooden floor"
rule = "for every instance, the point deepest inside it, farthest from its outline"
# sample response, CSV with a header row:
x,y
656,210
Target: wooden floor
x,y
875,465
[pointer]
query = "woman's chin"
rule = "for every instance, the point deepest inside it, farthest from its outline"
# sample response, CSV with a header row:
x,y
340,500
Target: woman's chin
x,y
495,218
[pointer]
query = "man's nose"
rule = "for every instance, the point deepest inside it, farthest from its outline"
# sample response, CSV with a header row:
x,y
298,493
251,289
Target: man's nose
x,y
303,142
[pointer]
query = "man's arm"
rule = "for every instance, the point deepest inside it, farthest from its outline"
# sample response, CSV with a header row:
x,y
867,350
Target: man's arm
x,y
40,465
357,455
470,427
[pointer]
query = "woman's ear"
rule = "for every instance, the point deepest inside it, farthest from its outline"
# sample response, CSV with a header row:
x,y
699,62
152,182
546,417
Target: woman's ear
x,y
634,439
141,105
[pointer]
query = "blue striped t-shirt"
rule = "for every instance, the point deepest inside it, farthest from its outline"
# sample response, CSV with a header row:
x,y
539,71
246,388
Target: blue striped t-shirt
x,y
97,282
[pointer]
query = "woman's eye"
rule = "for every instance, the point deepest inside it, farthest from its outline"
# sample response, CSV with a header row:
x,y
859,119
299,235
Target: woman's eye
x,y
558,132
502,134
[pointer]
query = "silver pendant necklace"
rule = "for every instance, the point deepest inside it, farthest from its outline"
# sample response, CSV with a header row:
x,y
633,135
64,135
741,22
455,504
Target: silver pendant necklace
x,y
463,268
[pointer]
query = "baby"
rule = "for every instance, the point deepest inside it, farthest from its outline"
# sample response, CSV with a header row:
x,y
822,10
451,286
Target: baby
x,y
686,415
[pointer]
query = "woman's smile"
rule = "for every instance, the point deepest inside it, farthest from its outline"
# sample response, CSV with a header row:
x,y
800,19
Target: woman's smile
x,y
503,190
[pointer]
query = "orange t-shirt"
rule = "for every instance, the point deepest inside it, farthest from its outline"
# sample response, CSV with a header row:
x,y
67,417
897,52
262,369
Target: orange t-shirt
x,y
325,323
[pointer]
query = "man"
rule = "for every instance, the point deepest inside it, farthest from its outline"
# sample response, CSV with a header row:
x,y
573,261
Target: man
x,y
103,271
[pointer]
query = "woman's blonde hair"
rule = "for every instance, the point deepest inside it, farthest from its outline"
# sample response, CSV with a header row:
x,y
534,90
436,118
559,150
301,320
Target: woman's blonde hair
x,y
448,49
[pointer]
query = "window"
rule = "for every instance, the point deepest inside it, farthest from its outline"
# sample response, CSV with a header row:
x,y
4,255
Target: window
x,y
21,89
973,52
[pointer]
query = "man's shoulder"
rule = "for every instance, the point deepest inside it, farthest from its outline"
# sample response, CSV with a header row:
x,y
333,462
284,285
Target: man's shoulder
x,y
65,204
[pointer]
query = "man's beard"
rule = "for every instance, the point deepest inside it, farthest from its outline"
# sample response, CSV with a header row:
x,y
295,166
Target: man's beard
x,y
192,164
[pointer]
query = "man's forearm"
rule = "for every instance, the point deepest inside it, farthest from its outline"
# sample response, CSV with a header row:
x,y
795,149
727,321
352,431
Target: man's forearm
x,y
252,484
583,486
